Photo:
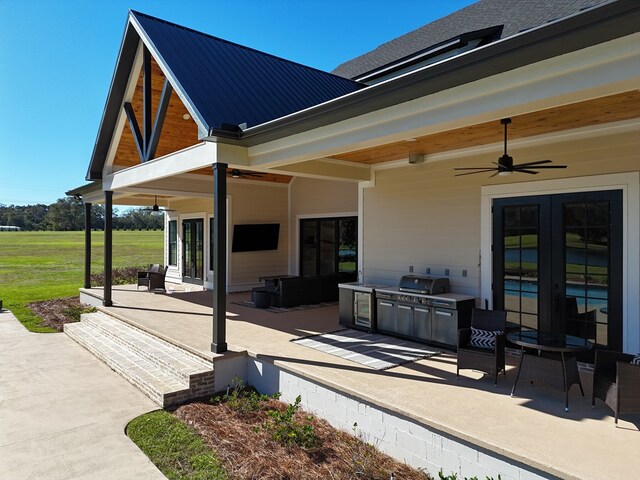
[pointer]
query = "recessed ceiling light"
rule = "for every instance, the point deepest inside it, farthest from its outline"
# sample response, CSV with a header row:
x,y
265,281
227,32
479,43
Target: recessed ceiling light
x,y
186,116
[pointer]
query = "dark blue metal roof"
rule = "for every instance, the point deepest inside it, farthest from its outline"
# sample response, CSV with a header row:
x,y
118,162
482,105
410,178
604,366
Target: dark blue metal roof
x,y
229,83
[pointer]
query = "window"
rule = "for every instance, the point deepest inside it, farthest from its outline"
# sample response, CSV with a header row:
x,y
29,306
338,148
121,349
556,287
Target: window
x,y
328,245
173,242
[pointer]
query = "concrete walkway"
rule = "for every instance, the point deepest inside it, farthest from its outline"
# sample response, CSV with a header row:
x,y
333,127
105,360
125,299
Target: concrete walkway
x,y
63,412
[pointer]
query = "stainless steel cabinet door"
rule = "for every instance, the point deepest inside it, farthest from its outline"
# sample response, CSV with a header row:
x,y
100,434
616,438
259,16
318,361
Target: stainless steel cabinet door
x,y
387,320
422,323
405,320
445,326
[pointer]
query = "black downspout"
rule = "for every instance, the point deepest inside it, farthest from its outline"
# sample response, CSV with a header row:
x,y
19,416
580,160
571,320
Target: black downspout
x,y
219,341
108,247
87,245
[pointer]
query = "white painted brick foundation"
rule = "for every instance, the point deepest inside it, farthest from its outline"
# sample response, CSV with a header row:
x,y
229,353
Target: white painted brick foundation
x,y
402,438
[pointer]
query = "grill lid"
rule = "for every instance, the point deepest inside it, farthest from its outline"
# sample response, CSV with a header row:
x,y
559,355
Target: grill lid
x,y
423,285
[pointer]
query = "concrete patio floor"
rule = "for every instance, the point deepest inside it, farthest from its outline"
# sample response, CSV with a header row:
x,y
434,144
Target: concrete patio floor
x,y
532,428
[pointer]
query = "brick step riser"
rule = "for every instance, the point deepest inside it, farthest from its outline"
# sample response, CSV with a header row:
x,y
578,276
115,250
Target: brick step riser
x,y
95,319
186,374
160,398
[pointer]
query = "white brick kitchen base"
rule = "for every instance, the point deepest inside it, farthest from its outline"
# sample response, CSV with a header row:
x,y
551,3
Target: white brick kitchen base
x,y
402,438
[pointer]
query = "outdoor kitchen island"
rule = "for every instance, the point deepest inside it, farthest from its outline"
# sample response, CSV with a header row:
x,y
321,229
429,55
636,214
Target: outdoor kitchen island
x,y
419,309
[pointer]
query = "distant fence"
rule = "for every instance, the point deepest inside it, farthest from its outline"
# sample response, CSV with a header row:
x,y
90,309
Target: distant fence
x,y
9,228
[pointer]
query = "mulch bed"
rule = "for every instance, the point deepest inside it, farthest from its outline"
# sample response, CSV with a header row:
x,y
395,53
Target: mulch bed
x,y
55,313
248,450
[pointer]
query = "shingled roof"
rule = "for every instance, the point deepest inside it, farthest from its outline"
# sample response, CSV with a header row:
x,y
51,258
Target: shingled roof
x,y
514,15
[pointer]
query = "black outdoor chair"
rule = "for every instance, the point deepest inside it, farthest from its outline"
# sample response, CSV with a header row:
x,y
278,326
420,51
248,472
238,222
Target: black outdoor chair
x,y
616,381
156,280
143,277
485,351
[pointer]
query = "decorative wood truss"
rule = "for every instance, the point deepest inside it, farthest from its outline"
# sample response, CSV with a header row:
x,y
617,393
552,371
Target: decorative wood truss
x,y
147,140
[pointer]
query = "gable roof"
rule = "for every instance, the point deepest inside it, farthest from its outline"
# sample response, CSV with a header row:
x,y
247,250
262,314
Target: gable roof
x,y
230,83
514,16
223,84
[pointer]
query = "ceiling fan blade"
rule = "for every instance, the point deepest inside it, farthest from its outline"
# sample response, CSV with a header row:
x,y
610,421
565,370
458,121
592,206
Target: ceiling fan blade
x,y
475,168
530,172
550,166
477,171
531,164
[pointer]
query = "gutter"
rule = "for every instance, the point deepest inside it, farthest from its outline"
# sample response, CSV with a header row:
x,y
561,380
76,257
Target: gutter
x,y
598,25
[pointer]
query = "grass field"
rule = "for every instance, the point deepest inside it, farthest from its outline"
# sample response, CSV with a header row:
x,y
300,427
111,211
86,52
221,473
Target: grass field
x,y
44,265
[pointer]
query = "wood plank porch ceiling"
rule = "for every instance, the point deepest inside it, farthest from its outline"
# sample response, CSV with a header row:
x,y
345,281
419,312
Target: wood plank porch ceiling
x,y
623,106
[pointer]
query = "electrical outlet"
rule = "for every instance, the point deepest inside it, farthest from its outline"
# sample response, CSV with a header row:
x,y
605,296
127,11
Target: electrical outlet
x,y
464,273
410,268
446,272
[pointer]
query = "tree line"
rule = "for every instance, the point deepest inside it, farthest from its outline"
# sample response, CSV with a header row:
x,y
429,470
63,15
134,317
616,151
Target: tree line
x,y
68,214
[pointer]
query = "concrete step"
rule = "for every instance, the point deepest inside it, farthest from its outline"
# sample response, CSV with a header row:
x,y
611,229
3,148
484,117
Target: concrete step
x,y
164,372
183,364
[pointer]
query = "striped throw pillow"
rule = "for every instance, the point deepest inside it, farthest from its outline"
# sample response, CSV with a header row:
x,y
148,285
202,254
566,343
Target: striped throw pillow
x,y
483,338
636,360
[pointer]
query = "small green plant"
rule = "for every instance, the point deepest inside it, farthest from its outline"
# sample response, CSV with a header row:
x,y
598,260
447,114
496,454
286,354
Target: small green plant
x,y
286,429
362,453
454,476
74,311
243,399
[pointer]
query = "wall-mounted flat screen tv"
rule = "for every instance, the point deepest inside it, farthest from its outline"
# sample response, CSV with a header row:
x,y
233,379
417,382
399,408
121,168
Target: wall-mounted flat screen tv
x,y
255,237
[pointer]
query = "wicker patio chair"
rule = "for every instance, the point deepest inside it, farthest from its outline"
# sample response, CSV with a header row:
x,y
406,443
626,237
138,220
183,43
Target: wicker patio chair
x,y
143,277
488,358
616,381
156,280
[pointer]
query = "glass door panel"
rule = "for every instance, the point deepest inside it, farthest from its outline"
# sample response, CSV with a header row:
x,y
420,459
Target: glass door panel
x,y
308,249
327,246
192,250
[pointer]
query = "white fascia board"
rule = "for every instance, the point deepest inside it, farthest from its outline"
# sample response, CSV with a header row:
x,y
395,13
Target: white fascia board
x,y
326,170
122,121
604,69
177,86
191,158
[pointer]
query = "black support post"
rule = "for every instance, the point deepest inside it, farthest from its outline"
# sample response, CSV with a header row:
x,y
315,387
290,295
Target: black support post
x,y
108,247
87,245
219,341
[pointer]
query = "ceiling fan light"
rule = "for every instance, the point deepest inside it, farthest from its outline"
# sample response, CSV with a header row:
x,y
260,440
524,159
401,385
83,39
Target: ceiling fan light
x,y
504,173
235,173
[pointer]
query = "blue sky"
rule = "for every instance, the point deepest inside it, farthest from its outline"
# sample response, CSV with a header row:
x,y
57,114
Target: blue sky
x,y
57,58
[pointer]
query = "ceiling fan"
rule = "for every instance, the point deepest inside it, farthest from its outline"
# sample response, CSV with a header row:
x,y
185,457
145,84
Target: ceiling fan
x,y
236,173
505,164
155,207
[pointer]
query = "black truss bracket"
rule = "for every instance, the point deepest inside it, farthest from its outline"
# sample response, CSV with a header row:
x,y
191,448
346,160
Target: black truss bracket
x,y
159,120
135,129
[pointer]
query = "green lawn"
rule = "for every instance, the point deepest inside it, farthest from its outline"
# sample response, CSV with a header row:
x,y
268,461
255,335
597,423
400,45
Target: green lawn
x,y
44,265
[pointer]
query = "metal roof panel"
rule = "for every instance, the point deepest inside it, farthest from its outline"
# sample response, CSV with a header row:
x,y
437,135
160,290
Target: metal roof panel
x,y
230,83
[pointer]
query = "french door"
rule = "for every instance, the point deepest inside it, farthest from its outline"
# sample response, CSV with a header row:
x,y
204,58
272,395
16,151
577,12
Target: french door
x,y
557,263
192,250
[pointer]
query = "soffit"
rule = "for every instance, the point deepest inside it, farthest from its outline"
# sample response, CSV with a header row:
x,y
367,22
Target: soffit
x,y
623,106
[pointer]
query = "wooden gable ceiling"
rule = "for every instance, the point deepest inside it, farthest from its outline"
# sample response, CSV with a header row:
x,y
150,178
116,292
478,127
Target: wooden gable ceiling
x,y
623,106
177,132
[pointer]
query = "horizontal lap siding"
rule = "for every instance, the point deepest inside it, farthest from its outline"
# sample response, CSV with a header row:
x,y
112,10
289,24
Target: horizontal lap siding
x,y
413,217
